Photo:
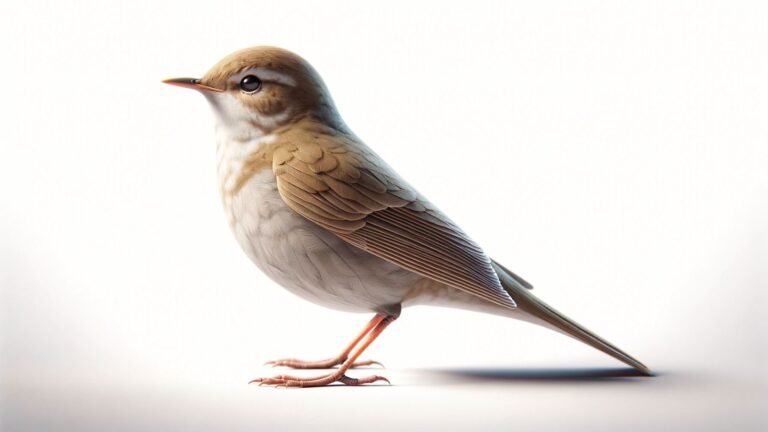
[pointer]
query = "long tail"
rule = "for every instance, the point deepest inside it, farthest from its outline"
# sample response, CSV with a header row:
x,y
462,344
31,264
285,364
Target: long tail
x,y
550,317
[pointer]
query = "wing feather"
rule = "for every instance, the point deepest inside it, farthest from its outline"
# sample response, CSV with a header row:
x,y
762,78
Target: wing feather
x,y
341,185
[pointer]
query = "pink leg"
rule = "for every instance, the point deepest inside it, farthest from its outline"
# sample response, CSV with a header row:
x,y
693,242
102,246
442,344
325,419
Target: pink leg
x,y
333,361
339,374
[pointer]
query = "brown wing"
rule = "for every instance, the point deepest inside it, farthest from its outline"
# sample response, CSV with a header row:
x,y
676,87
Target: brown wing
x,y
344,187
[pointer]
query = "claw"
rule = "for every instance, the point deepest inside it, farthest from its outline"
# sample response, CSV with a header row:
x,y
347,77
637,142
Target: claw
x,y
368,363
366,380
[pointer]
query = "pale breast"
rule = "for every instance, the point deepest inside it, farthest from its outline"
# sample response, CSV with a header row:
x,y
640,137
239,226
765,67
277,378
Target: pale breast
x,y
308,260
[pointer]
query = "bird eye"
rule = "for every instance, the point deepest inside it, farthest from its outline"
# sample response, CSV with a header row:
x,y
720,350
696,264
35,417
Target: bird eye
x,y
250,83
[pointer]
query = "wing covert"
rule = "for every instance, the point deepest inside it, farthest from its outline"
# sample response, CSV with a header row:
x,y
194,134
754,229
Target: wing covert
x,y
341,185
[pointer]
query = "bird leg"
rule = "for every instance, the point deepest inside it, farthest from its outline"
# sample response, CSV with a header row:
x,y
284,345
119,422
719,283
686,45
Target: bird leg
x,y
381,322
333,361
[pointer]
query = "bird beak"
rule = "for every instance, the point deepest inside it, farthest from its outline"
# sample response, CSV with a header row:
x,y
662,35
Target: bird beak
x,y
192,83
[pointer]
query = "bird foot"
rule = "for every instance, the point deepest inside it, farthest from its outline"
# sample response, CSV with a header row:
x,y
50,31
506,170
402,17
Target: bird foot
x,y
318,381
321,364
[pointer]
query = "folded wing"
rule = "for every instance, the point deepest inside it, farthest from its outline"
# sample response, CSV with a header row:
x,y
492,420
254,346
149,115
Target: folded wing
x,y
344,187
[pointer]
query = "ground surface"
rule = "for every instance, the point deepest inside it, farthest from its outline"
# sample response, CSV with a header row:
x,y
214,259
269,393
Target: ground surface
x,y
455,399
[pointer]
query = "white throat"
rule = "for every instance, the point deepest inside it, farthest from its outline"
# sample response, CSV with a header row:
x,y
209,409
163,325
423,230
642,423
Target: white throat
x,y
237,136
232,154
233,118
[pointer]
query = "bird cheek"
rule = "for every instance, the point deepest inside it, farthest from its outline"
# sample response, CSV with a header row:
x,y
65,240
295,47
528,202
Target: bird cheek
x,y
265,103
229,111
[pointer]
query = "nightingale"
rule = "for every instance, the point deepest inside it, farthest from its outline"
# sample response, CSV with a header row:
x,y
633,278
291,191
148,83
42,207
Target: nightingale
x,y
321,214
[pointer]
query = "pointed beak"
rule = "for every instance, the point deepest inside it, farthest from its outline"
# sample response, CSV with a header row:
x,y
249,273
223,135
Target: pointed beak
x,y
192,83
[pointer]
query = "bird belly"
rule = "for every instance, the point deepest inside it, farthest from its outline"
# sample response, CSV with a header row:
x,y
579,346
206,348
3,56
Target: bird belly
x,y
308,260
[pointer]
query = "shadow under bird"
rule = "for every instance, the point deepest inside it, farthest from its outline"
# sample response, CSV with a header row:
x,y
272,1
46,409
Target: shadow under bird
x,y
325,217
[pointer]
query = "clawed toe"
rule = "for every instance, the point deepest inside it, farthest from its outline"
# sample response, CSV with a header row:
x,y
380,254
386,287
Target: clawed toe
x,y
321,364
367,363
320,381
303,364
366,380
346,360
275,380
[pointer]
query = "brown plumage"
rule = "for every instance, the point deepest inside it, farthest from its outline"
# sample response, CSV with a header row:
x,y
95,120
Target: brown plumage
x,y
328,219
308,97
339,184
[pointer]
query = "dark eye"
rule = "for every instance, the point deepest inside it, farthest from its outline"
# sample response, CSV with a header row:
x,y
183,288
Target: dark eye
x,y
250,83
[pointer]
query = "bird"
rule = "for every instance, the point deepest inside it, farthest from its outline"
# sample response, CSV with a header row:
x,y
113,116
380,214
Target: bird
x,y
324,216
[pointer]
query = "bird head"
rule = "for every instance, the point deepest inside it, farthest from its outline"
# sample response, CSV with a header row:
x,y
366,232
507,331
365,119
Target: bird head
x,y
262,89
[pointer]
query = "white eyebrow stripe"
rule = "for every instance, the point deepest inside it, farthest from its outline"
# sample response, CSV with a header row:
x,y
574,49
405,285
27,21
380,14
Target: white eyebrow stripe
x,y
265,74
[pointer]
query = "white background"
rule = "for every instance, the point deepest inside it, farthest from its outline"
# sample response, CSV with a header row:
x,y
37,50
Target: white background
x,y
612,153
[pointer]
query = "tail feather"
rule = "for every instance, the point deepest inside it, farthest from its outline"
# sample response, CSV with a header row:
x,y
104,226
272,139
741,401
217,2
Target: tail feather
x,y
550,317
